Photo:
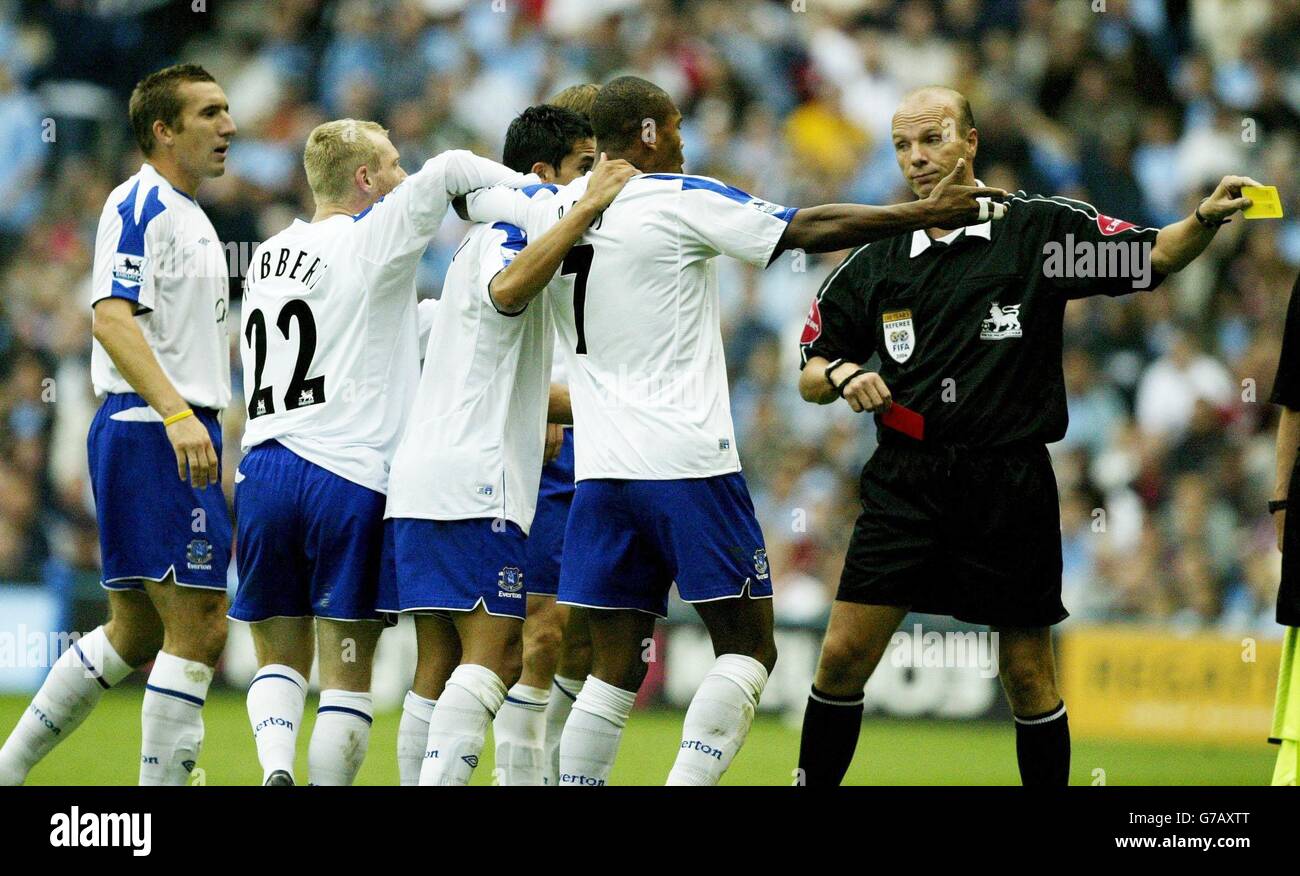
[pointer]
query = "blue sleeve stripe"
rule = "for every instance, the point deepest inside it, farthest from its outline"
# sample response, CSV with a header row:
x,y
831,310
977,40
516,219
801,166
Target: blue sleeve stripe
x,y
690,183
132,240
515,240
537,187
130,293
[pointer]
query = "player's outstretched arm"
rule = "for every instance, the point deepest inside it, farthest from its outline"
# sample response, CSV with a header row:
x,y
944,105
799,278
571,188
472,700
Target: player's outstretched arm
x,y
527,275
1177,245
402,223
831,227
464,172
117,331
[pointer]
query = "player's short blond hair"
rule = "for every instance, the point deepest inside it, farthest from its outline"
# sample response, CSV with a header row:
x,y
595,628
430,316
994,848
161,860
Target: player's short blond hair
x,y
334,152
577,98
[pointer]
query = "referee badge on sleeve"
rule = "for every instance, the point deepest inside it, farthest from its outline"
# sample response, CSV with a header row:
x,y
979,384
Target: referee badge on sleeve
x,y
900,335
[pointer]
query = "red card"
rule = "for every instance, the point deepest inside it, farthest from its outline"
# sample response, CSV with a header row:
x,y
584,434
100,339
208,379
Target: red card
x,y
905,420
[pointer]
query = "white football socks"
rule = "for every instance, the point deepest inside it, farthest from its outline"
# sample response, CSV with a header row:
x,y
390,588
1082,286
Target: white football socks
x,y
459,725
276,697
412,736
592,733
718,720
520,733
563,692
172,719
82,673
341,737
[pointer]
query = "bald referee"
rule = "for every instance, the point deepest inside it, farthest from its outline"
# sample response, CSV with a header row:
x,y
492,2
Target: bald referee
x,y
960,514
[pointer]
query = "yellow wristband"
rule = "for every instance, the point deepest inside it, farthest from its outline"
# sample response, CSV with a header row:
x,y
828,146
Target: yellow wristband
x,y
176,418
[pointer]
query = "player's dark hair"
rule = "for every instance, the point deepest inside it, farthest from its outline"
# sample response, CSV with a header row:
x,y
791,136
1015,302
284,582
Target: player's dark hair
x,y
621,108
157,97
543,133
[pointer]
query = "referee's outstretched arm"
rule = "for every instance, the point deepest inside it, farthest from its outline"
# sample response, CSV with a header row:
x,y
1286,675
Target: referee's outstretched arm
x,y
1177,245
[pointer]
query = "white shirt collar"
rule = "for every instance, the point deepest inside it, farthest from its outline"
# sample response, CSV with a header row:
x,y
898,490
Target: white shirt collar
x,y
921,241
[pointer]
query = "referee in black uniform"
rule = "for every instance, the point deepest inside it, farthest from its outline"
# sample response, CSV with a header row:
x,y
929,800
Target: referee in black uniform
x,y
1286,392
964,519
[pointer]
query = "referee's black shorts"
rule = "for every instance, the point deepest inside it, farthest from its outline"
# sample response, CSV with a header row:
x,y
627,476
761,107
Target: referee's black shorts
x,y
974,533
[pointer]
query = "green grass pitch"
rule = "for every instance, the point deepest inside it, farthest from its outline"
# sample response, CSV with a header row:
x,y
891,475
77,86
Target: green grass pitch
x,y
891,752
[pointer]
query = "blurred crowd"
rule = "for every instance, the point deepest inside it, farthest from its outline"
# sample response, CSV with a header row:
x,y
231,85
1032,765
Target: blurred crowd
x,y
1138,107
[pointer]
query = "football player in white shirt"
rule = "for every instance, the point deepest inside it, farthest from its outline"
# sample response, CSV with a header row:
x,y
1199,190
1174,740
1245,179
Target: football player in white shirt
x,y
557,645
161,365
466,472
660,498
331,364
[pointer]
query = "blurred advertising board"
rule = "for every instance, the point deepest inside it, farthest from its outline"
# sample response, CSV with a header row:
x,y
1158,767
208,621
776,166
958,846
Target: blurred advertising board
x,y
1124,682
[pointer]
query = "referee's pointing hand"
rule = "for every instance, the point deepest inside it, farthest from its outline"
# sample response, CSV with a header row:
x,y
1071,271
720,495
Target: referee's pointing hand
x,y
867,392
955,205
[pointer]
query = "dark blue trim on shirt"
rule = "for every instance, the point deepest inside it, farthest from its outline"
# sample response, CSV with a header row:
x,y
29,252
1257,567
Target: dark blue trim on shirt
x,y
131,241
515,240
785,214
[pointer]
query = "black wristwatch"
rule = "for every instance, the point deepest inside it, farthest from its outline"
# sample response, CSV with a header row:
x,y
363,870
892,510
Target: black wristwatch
x,y
1276,505
1209,223
839,388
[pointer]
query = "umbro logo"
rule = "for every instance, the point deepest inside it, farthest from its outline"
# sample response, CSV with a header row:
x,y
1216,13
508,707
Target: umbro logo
x,y
471,759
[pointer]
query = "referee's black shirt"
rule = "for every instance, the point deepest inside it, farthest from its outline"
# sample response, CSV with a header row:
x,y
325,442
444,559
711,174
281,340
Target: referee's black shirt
x,y
1286,386
1286,392
969,333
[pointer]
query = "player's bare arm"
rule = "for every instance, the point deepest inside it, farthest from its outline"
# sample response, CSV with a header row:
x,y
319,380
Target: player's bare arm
x,y
831,227
1288,444
116,329
527,275
865,392
1179,244
558,407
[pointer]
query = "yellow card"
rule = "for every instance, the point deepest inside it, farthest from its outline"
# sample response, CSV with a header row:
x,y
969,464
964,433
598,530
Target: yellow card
x,y
1266,203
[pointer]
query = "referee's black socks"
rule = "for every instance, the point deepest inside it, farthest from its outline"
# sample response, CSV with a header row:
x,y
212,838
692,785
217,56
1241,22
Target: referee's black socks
x,y
830,734
1043,748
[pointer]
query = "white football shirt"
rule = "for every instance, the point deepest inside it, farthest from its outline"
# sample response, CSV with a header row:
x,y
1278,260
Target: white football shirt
x,y
639,319
330,327
472,447
156,247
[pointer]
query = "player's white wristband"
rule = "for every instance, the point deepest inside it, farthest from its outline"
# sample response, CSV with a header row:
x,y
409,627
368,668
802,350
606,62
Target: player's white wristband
x,y
990,209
